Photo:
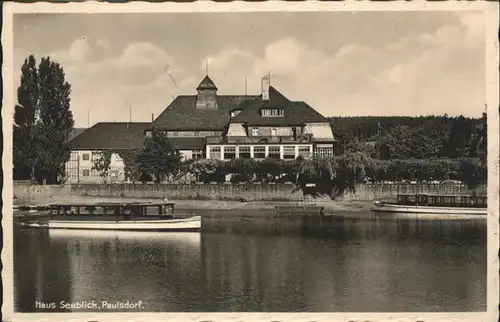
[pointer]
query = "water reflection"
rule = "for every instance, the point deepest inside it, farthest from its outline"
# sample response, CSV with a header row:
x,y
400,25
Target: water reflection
x,y
241,264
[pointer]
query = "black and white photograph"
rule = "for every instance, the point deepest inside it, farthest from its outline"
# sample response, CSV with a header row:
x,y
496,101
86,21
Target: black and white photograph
x,y
195,159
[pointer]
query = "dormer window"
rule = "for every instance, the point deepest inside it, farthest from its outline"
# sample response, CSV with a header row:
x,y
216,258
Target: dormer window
x,y
273,112
234,113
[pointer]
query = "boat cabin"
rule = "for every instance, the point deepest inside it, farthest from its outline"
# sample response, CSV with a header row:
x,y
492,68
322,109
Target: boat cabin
x,y
442,200
117,209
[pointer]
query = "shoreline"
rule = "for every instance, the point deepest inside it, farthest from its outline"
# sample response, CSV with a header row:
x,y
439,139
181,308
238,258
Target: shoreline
x,y
210,205
347,209
344,208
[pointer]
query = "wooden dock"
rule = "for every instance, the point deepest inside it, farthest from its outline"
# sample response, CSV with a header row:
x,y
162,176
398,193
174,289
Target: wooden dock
x,y
300,209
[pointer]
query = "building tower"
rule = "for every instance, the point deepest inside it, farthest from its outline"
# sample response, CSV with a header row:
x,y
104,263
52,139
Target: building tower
x,y
207,94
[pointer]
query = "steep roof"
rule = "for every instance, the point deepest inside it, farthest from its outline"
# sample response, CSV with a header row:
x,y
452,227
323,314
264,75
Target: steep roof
x,y
75,132
196,143
295,113
207,83
182,113
276,97
111,135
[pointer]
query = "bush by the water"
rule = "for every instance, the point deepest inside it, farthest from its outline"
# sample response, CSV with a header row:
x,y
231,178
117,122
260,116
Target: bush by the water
x,y
363,169
337,175
464,170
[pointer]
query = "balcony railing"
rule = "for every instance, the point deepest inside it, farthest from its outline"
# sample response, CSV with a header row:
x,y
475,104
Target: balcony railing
x,y
258,139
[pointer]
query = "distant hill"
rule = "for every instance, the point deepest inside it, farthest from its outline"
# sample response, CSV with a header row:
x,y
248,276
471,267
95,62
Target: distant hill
x,y
366,128
400,137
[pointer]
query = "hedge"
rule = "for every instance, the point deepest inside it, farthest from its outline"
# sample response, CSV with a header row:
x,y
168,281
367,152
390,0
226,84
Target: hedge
x,y
244,170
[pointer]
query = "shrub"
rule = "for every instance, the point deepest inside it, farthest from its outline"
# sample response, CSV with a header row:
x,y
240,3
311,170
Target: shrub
x,y
355,167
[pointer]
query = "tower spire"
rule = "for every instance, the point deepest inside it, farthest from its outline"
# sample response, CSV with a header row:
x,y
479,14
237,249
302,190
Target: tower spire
x,y
206,67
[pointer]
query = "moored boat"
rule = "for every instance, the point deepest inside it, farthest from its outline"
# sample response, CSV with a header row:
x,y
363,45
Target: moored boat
x,y
184,224
434,204
150,216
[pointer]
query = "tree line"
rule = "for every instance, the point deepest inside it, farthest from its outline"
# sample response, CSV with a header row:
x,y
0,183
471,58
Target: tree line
x,y
363,169
158,161
399,137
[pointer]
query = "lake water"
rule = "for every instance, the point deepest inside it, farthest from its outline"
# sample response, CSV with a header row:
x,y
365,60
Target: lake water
x,y
361,263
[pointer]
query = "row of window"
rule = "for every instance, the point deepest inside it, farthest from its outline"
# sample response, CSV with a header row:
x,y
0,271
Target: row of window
x,y
262,132
72,169
324,152
273,112
193,133
259,152
197,154
288,131
254,132
92,156
95,174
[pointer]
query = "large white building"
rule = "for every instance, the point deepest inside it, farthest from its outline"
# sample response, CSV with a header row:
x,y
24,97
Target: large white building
x,y
212,126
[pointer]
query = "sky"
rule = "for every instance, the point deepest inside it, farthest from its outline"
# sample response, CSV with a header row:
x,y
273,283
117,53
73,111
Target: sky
x,y
340,63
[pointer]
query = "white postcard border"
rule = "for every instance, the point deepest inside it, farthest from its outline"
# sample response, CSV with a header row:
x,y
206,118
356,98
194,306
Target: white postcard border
x,y
491,10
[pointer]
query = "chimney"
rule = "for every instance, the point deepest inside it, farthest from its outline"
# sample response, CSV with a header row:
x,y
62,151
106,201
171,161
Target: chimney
x,y
152,117
266,82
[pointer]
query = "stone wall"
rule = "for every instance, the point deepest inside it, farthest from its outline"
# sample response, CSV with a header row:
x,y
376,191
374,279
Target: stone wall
x,y
250,192
26,193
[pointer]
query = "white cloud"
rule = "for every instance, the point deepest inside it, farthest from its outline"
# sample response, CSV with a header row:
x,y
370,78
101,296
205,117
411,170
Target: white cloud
x,y
77,51
142,55
474,24
108,86
436,72
430,73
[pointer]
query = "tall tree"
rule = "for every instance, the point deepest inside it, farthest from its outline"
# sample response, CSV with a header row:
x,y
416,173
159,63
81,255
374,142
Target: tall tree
x,y
25,114
43,122
158,157
480,141
397,143
129,158
101,163
332,177
403,142
458,144
55,122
